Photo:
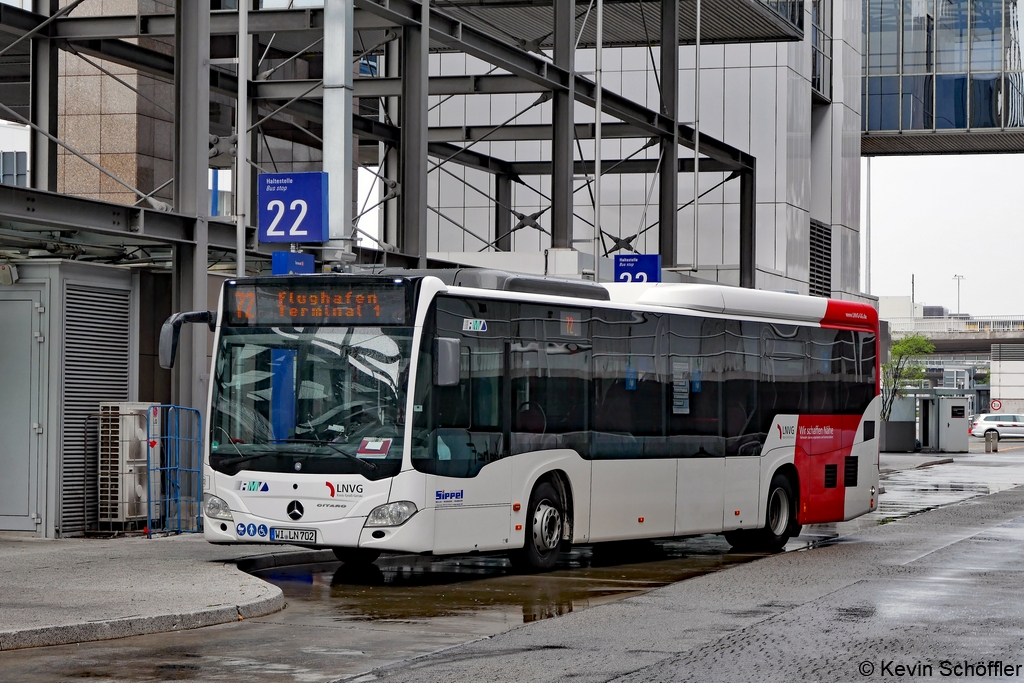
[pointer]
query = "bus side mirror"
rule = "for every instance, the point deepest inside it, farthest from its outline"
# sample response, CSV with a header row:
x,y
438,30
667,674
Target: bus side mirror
x,y
171,330
446,362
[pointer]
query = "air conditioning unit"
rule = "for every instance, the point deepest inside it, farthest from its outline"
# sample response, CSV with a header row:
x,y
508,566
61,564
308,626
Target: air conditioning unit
x,y
125,481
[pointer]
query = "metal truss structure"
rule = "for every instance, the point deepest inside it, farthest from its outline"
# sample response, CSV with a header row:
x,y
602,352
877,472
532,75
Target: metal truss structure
x,y
529,44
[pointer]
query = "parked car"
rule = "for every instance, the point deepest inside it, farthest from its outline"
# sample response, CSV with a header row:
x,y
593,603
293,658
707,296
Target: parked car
x,y
1002,424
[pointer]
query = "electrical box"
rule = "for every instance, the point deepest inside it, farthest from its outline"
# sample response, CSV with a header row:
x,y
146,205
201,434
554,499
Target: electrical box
x,y
953,422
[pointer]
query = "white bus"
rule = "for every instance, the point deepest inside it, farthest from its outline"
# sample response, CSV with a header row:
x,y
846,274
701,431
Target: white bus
x,y
475,411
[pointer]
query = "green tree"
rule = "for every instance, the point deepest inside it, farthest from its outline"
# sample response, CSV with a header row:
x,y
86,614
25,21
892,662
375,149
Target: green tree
x,y
902,367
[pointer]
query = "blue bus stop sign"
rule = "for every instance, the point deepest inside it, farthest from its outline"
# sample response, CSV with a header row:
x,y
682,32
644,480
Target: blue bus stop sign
x,y
293,207
638,268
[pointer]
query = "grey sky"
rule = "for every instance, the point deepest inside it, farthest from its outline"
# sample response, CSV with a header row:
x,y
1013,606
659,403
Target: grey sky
x,y
939,216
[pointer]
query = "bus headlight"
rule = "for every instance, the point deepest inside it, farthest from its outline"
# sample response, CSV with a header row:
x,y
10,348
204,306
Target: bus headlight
x,y
216,508
391,514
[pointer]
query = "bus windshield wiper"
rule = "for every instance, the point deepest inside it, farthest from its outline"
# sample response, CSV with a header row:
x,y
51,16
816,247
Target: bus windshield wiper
x,y
334,447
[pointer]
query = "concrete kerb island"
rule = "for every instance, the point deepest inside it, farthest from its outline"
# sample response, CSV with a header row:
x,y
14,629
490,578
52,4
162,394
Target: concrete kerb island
x,y
78,590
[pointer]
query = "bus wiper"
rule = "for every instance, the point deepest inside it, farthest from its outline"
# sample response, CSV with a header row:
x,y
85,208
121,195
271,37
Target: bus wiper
x,y
333,447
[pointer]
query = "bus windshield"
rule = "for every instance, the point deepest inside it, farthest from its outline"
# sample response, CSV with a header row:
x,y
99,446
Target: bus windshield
x,y
324,400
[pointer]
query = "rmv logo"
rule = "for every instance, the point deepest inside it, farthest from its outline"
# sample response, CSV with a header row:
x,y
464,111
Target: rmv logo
x,y
786,431
253,486
344,488
448,495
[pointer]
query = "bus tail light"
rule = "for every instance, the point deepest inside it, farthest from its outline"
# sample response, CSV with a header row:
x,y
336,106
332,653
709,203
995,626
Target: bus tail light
x,y
391,514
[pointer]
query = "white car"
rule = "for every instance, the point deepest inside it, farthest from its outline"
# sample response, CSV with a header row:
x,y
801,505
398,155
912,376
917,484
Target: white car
x,y
1001,423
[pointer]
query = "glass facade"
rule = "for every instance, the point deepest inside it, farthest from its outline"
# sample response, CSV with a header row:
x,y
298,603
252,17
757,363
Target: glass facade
x,y
942,65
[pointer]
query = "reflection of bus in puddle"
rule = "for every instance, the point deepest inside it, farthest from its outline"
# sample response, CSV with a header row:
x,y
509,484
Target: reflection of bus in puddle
x,y
409,588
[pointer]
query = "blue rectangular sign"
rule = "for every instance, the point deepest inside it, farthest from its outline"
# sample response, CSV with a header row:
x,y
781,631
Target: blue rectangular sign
x,y
293,207
291,263
638,268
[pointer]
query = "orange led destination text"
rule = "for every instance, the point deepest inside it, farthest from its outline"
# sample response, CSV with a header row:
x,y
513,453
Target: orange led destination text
x,y
324,305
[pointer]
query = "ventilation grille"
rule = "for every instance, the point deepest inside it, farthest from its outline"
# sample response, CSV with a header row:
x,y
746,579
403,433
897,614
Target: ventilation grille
x,y
1001,352
831,476
850,469
821,259
96,352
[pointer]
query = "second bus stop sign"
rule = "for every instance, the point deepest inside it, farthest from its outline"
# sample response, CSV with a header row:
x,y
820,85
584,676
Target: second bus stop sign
x,y
293,207
638,268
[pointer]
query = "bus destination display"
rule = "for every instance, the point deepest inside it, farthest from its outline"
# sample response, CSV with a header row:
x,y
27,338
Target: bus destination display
x,y
303,303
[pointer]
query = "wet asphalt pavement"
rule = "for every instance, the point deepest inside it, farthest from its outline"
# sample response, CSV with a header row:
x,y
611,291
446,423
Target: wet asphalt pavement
x,y
340,623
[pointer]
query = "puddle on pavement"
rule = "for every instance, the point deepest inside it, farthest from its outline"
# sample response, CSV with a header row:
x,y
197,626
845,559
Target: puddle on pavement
x,y
413,588
407,588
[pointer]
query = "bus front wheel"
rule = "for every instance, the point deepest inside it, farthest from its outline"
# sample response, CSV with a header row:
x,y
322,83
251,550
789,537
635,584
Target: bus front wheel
x,y
543,531
356,556
780,521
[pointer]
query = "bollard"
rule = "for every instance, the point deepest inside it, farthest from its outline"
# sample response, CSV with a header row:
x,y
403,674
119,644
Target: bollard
x,y
991,442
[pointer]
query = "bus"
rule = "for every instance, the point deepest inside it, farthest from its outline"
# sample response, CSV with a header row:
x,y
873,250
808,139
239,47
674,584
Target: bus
x,y
476,411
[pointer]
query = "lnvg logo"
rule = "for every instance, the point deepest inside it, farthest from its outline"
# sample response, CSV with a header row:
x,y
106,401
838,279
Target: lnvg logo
x,y
445,496
345,490
253,486
786,431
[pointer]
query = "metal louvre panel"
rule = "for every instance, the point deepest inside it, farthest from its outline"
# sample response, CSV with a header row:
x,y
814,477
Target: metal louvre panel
x,y
96,356
821,260
1007,352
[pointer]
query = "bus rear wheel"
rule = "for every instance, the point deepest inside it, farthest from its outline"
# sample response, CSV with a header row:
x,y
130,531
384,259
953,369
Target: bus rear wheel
x,y
780,521
543,531
355,557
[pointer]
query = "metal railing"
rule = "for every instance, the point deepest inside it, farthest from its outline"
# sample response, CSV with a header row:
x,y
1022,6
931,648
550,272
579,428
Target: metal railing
x,y
1000,323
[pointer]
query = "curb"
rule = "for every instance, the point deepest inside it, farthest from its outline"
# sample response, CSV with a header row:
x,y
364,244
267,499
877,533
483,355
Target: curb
x,y
137,626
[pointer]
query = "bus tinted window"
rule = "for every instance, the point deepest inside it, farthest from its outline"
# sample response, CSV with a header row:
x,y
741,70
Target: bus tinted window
x,y
696,350
550,358
629,385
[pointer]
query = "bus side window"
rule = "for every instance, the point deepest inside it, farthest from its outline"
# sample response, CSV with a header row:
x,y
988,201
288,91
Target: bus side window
x,y
696,364
465,421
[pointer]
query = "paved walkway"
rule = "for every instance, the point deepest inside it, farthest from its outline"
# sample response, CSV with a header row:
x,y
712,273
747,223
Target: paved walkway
x,y
76,590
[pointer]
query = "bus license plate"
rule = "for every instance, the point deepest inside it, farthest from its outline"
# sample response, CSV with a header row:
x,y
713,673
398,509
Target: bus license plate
x,y
293,535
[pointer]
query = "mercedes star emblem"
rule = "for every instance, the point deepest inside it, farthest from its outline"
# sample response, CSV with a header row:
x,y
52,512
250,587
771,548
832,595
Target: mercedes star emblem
x,y
295,509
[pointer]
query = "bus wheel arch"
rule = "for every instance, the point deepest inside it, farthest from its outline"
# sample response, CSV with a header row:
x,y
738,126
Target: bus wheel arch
x,y
789,471
548,515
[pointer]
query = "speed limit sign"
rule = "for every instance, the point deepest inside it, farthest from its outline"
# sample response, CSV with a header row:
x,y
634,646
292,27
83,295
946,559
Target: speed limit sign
x,y
997,404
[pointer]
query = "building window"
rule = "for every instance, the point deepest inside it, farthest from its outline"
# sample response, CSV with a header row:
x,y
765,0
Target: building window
x,y
821,48
15,168
821,259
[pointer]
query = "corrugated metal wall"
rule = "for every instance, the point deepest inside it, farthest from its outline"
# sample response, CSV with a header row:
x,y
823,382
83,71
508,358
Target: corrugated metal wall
x,y
96,352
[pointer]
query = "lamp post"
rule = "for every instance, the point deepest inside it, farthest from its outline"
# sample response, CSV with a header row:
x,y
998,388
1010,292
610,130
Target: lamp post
x,y
958,278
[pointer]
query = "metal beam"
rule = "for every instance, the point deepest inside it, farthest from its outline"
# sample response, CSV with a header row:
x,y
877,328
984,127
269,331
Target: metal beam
x,y
668,178
611,166
503,213
748,229
465,38
445,85
562,128
540,131
191,196
415,54
43,104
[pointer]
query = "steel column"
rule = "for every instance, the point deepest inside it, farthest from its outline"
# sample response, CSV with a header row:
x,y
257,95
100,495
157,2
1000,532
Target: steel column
x,y
503,213
562,121
668,185
748,231
191,192
390,166
415,46
337,146
43,107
